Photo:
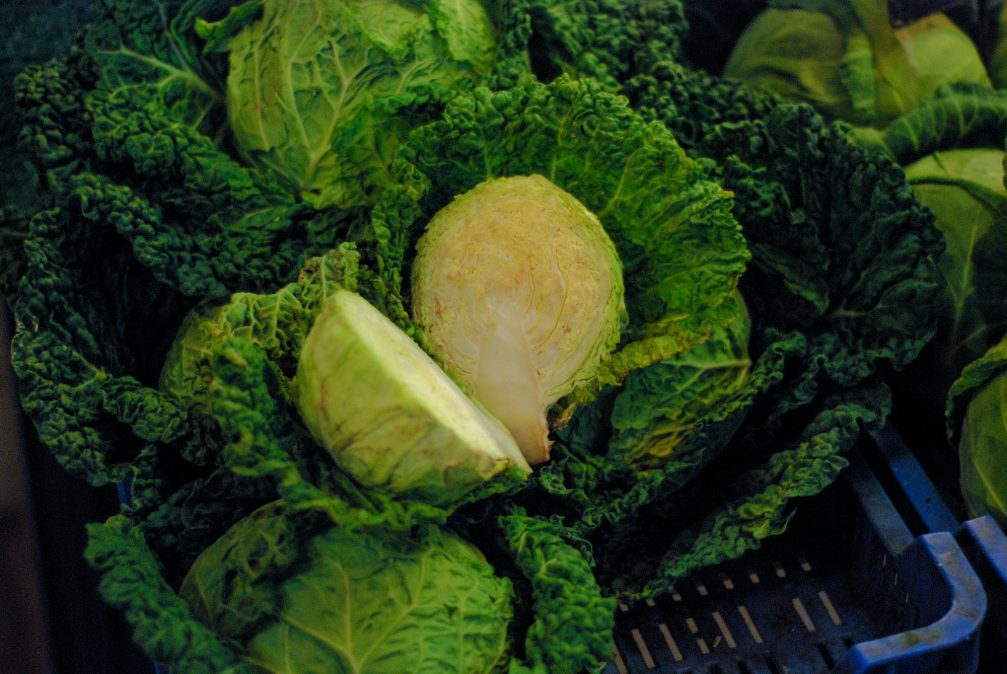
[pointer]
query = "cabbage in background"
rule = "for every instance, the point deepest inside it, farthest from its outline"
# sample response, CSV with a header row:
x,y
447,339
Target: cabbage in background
x,y
977,427
845,59
952,149
965,189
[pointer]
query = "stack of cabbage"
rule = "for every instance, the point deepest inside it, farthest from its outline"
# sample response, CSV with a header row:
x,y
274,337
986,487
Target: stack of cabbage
x,y
416,342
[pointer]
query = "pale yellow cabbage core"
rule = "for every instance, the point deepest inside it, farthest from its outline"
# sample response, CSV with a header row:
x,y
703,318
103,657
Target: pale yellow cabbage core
x,y
519,291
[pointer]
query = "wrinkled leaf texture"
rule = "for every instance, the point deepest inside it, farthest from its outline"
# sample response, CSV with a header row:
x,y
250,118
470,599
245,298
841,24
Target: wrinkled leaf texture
x,y
680,248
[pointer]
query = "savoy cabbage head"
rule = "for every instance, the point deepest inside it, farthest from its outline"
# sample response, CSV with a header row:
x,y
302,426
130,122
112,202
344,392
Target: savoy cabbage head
x,y
846,59
317,89
353,602
977,428
133,141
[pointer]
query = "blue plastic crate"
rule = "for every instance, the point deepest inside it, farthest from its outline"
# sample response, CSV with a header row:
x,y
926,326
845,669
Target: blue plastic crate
x,y
847,589
981,538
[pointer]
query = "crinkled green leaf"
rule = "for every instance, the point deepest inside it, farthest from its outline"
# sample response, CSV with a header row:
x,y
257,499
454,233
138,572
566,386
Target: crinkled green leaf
x,y
605,491
212,226
277,323
841,249
573,622
250,401
680,248
185,214
21,47
55,124
660,406
756,504
83,381
606,40
132,581
151,47
197,218
691,103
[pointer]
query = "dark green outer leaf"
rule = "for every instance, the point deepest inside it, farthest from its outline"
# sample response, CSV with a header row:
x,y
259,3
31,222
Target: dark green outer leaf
x,y
692,103
573,622
760,502
55,125
81,378
841,249
163,626
659,406
815,211
214,227
610,494
606,40
152,45
277,323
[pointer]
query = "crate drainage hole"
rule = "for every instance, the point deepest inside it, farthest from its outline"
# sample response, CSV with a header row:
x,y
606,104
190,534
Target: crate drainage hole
x,y
752,629
829,608
827,658
672,646
641,645
620,666
802,613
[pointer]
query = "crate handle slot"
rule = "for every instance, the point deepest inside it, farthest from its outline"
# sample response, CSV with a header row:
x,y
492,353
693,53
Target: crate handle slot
x,y
958,630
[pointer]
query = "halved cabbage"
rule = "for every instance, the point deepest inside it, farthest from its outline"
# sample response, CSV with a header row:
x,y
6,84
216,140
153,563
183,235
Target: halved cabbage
x,y
388,415
519,291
